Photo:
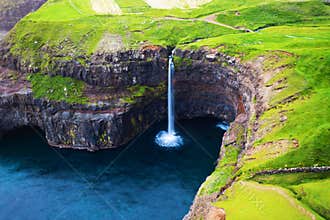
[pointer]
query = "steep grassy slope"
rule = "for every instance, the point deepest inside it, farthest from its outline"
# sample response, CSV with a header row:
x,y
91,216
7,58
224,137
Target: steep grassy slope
x,y
78,30
301,90
294,131
248,200
311,188
291,55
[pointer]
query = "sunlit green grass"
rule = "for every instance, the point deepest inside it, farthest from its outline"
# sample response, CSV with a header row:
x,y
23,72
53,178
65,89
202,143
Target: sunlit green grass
x,y
316,194
57,88
287,179
308,118
311,188
303,52
249,200
81,36
276,13
133,6
222,173
63,10
299,40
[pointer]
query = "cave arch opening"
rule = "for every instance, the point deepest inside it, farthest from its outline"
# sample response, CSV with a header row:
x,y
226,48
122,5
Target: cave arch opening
x,y
205,86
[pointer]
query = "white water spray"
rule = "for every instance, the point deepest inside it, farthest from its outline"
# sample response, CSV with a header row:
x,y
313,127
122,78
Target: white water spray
x,y
223,125
169,138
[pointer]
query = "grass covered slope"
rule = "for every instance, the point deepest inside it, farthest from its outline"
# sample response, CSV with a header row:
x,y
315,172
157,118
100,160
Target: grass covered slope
x,y
76,21
276,13
291,55
78,29
310,188
249,200
294,130
300,88
316,194
57,88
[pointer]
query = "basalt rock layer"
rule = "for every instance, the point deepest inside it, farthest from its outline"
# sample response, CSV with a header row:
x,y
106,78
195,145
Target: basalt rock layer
x,y
207,83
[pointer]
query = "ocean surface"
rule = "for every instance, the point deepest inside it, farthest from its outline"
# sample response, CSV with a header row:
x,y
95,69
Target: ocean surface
x,y
137,181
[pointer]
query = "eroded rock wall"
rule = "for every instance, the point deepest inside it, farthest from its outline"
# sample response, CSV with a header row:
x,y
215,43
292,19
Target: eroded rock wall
x,y
237,136
207,83
76,126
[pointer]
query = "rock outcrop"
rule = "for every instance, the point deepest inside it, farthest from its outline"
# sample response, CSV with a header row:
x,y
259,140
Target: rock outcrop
x,y
215,214
12,11
207,83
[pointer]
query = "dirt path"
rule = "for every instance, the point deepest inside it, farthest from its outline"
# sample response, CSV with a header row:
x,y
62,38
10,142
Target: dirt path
x,y
75,7
169,4
291,200
212,19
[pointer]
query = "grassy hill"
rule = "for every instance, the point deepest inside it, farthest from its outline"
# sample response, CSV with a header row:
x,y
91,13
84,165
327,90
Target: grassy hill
x,y
290,41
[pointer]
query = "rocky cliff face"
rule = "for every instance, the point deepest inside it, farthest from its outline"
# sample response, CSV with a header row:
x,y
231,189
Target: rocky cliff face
x,y
207,83
12,11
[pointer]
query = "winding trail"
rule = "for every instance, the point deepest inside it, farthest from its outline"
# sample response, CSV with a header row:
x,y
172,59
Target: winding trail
x,y
75,7
212,19
169,4
110,7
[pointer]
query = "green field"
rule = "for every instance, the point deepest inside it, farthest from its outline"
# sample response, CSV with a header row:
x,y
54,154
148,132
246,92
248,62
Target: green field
x,y
276,13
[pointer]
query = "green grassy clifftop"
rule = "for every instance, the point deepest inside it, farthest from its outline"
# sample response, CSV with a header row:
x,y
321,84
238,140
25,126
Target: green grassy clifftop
x,y
289,48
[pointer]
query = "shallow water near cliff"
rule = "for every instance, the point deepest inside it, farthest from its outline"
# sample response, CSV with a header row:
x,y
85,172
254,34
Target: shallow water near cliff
x,y
142,181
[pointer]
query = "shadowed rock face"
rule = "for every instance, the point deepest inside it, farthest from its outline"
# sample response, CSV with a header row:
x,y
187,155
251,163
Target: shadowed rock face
x,y
2,34
207,83
11,11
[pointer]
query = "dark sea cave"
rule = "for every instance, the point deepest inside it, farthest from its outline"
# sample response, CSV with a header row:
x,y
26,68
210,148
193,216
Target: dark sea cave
x,y
137,181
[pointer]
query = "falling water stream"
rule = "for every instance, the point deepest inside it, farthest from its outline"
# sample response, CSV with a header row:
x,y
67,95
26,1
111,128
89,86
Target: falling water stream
x,y
169,138
138,181
170,98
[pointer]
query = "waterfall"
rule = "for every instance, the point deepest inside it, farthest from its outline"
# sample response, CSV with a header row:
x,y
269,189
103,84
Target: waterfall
x,y
170,97
169,138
